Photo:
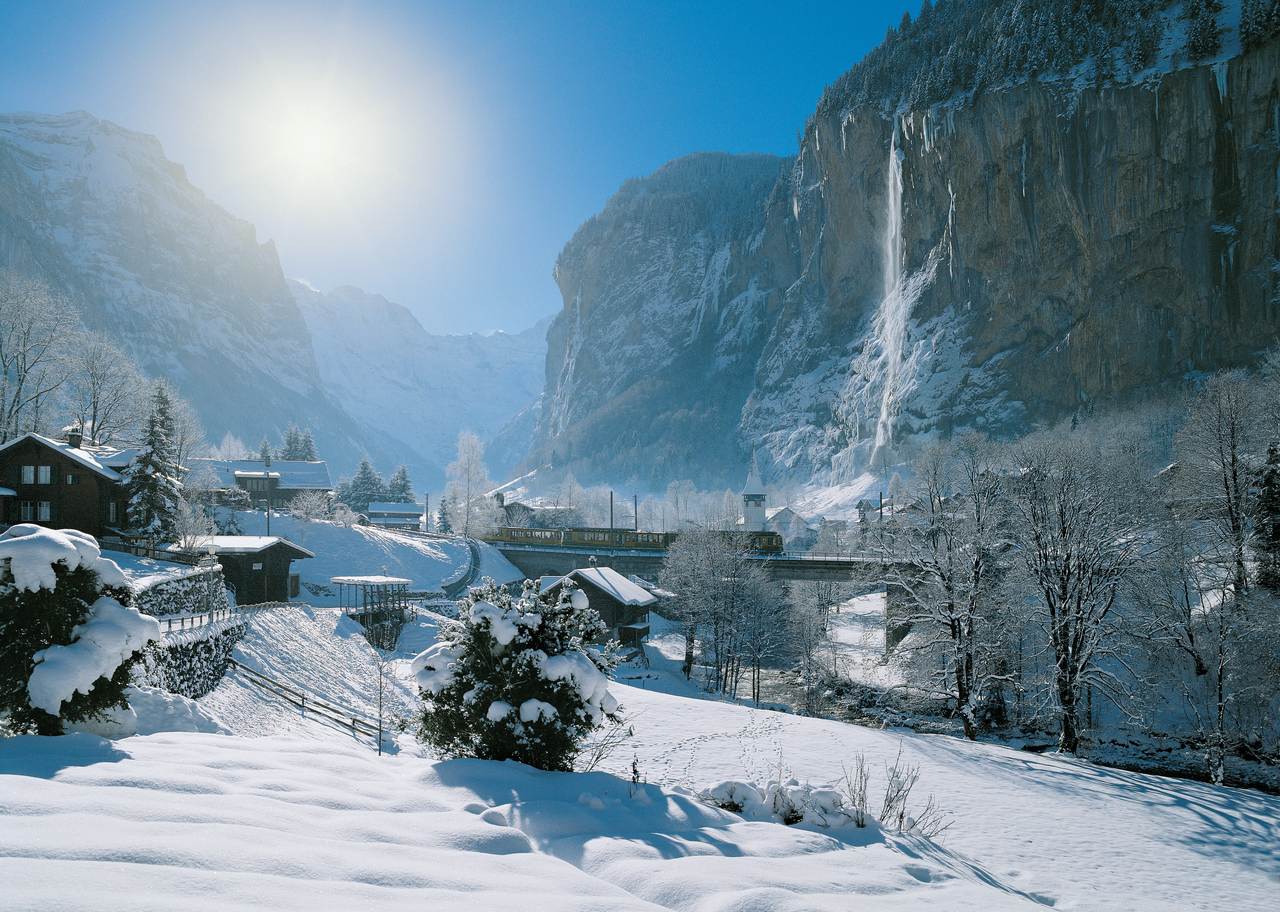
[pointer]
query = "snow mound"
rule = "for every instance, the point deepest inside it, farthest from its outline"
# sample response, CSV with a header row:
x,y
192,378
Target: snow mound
x,y
209,822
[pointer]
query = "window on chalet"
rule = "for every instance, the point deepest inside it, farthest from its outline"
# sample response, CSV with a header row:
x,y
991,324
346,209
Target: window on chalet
x,y
112,512
44,475
44,511
27,511
28,474
72,478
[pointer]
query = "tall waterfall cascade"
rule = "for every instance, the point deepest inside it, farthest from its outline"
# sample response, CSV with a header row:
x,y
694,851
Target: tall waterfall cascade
x,y
885,370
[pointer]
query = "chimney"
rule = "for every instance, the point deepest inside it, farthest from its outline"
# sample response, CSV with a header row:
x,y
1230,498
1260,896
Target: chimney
x,y
74,438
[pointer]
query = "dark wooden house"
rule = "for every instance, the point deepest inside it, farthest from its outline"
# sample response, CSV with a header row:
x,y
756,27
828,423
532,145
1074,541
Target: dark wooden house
x,y
62,484
621,604
278,482
257,567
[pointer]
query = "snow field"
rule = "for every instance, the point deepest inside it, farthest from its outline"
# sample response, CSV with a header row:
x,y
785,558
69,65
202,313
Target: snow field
x,y
197,821
364,550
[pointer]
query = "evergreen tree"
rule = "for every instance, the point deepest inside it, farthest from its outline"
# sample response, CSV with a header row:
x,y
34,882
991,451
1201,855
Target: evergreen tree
x,y
444,523
264,452
1267,521
152,479
292,443
307,447
513,679
1202,40
88,590
364,487
400,489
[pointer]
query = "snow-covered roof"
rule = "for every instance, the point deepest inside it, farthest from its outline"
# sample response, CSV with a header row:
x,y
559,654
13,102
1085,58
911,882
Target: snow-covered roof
x,y
294,474
8,492
90,459
400,509
242,544
370,580
611,582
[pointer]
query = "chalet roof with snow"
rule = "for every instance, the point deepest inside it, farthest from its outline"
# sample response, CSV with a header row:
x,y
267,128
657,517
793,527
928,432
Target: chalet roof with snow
x,y
293,474
610,582
244,544
95,459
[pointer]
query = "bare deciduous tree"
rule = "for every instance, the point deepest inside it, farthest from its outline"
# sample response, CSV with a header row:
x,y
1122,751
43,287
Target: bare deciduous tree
x,y
34,326
105,392
1079,538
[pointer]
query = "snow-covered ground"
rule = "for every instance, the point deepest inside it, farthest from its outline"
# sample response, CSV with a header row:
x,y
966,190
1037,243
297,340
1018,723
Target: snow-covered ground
x,y
145,572
367,550
287,813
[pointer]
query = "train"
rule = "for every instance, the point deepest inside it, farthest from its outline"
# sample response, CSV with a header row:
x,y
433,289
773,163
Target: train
x,y
629,539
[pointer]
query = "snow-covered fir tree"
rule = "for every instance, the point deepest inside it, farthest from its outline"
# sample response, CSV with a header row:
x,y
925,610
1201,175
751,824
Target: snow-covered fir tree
x,y
264,452
516,678
153,480
444,519
400,488
67,636
363,488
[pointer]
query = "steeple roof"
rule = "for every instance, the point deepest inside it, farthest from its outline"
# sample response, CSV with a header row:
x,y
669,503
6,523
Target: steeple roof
x,y
754,484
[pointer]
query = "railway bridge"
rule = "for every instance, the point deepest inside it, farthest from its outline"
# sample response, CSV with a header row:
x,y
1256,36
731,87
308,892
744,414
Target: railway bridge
x,y
867,567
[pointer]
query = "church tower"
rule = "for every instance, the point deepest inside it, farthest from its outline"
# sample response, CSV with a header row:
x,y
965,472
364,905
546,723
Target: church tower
x,y
753,517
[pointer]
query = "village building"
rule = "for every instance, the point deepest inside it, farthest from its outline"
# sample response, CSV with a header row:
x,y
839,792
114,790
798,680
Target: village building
x,y
395,515
256,567
276,483
622,604
753,501
796,531
63,484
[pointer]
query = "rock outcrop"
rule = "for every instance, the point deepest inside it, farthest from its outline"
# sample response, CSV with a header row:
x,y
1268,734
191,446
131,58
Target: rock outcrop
x,y
1039,250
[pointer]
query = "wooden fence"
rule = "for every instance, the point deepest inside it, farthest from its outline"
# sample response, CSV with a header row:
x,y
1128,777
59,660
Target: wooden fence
x,y
343,717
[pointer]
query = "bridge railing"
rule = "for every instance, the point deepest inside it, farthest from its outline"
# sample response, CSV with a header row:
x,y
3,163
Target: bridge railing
x,y
860,555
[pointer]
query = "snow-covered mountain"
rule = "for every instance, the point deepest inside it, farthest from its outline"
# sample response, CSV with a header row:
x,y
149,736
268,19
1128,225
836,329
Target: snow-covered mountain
x,y
419,388
103,216
1044,246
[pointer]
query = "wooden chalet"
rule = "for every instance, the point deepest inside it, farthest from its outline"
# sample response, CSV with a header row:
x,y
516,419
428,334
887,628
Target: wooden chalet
x,y
395,515
256,567
622,604
63,484
278,482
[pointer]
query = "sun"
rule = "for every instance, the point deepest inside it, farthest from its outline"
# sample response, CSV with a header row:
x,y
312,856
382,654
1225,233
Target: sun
x,y
312,144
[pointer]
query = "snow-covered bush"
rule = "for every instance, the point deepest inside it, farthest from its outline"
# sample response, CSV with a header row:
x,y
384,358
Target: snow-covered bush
x,y
515,679
67,635
788,802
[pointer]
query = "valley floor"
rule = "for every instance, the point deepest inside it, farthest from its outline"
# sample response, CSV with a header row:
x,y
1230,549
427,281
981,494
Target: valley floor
x,y
284,813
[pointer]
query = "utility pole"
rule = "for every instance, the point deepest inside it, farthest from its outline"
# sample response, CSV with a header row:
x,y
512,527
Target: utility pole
x,y
635,512
611,510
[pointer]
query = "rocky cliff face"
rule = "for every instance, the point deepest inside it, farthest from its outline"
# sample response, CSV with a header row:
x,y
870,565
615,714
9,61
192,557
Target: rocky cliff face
x,y
1042,249
99,213
666,299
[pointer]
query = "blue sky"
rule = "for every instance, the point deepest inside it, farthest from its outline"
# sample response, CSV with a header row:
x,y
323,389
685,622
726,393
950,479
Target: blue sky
x,y
438,153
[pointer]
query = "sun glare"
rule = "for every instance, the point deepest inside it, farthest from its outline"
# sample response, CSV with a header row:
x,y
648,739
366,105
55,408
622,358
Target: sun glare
x,y
311,146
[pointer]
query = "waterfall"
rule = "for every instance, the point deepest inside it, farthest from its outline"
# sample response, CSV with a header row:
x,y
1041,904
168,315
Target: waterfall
x,y
885,369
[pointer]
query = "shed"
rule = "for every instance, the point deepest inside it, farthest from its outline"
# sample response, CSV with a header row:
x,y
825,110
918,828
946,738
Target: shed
x,y
621,604
256,567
